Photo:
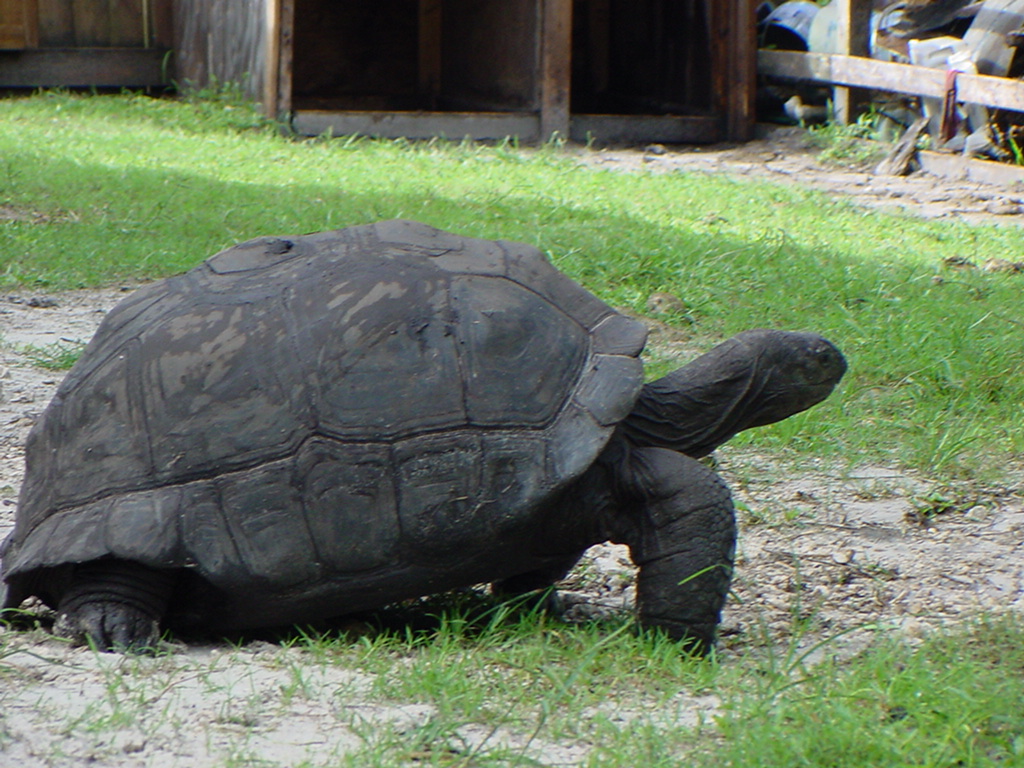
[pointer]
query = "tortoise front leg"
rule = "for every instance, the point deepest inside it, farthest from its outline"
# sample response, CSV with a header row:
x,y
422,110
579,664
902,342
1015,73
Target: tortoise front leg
x,y
115,605
681,531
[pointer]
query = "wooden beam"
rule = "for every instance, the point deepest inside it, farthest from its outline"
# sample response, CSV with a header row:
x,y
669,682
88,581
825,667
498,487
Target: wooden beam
x,y
555,67
83,67
999,92
970,168
91,24
161,24
127,23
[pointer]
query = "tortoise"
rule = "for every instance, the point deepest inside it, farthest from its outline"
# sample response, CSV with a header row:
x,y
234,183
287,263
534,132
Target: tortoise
x,y
307,427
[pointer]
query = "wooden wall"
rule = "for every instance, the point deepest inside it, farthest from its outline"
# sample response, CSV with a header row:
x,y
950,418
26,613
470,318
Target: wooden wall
x,y
222,41
415,54
636,56
85,43
489,54
667,70
104,23
19,24
685,62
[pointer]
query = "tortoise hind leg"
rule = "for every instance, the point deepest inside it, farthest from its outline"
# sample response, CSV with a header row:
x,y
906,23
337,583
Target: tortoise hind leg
x,y
681,532
544,579
115,605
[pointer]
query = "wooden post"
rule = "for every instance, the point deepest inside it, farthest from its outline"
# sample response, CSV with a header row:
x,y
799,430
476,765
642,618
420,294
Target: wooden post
x,y
555,67
272,51
732,29
852,35
286,58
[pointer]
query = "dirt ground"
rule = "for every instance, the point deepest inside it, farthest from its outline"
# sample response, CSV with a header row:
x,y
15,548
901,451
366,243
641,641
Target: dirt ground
x,y
786,155
822,547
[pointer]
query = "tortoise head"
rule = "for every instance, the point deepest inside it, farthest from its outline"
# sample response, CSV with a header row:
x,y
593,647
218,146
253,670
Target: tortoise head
x,y
788,372
755,378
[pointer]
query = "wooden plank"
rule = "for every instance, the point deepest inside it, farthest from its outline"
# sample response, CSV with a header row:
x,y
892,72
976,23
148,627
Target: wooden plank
x,y
897,162
161,23
83,67
430,50
971,169
555,67
718,22
19,24
92,23
56,23
999,92
670,129
127,26
419,125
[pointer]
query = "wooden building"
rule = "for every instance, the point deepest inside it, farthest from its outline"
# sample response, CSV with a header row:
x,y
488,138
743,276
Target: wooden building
x,y
611,70
83,43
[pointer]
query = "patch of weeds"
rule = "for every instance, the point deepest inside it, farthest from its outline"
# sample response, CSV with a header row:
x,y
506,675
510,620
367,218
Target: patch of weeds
x,y
955,699
931,505
855,144
938,502
59,356
243,711
223,104
769,513
489,687
749,515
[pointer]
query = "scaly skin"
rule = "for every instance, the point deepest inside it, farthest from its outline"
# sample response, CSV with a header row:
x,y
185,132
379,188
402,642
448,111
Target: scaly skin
x,y
115,605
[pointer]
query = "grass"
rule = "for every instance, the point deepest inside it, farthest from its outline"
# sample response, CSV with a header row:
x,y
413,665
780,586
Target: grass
x,y
955,699
102,190
109,189
58,356
514,689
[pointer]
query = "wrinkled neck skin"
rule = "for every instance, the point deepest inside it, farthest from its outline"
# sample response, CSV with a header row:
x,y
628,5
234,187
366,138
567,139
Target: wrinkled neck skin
x,y
755,378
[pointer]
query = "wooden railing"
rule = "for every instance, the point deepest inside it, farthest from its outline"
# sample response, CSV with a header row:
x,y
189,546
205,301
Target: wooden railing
x,y
859,72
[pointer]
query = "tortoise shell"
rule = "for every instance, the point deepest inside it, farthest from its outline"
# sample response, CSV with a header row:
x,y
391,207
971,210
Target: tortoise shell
x,y
311,424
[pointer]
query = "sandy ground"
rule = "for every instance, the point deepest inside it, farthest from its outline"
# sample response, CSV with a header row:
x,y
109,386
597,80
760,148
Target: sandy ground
x,y
836,549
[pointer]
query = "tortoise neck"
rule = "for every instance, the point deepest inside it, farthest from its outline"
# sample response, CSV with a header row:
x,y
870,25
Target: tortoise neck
x,y
695,409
